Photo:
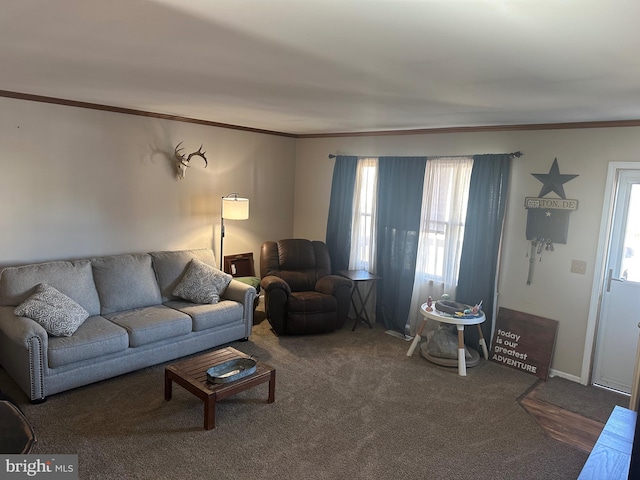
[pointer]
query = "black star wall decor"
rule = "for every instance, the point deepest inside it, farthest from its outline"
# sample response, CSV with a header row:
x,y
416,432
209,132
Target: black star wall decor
x,y
553,181
548,218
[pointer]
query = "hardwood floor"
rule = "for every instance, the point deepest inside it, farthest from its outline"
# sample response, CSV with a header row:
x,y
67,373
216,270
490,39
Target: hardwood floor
x,y
561,424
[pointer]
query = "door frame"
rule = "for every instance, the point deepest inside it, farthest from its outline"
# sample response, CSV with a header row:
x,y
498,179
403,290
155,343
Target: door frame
x,y
600,270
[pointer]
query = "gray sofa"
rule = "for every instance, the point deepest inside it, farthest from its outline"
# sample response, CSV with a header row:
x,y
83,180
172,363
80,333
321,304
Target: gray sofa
x,y
134,319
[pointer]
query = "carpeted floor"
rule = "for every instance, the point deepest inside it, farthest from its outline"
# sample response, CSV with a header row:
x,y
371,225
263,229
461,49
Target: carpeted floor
x,y
349,405
591,402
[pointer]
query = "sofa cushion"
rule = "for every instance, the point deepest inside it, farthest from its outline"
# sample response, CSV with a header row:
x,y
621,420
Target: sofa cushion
x,y
209,316
125,282
73,278
202,283
58,314
95,338
171,266
151,324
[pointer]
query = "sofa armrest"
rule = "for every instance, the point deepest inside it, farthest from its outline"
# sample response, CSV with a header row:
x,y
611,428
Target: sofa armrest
x,y
20,329
276,295
23,351
271,283
244,294
239,292
330,284
340,288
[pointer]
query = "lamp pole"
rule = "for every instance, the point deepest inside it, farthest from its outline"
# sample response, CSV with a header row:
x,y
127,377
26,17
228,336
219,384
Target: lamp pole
x,y
221,231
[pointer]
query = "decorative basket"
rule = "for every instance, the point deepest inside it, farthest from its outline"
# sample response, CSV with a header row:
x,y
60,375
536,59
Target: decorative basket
x,y
231,370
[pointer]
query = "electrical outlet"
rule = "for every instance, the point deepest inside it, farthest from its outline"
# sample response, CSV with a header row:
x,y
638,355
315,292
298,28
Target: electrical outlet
x,y
578,266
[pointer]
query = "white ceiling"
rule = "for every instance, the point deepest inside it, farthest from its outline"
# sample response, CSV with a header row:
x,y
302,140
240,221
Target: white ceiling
x,y
318,66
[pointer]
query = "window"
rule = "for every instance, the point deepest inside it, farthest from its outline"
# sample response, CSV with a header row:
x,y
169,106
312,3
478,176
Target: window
x,y
362,255
443,214
444,210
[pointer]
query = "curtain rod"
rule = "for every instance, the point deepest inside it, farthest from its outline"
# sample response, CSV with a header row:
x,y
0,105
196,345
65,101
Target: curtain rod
x,y
513,154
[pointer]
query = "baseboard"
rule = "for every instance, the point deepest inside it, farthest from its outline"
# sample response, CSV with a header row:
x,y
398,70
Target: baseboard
x,y
393,333
574,378
566,376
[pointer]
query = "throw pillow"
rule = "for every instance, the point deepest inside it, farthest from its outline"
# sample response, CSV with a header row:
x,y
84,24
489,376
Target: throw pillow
x,y
58,314
202,283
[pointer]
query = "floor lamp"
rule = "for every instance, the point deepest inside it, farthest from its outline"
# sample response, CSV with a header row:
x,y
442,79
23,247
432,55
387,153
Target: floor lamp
x,y
233,208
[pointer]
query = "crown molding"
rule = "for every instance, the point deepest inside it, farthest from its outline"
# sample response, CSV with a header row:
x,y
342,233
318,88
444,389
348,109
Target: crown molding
x,y
477,129
131,111
378,133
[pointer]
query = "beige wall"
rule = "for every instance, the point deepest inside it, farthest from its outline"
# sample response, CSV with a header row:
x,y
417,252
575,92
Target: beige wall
x,y
78,182
555,292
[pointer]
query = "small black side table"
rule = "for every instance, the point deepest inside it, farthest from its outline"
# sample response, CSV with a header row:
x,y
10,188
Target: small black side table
x,y
360,277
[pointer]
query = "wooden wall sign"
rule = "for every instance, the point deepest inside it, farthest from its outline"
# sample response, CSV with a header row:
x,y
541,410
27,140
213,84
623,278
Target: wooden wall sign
x,y
524,342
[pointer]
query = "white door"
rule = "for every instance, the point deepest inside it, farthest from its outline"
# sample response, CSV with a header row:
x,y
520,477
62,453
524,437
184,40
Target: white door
x,y
619,319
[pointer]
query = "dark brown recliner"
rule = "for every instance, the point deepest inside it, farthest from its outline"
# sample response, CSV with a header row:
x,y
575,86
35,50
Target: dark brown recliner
x,y
301,295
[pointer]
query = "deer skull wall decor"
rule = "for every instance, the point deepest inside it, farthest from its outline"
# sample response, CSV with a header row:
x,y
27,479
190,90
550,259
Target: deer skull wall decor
x,y
182,160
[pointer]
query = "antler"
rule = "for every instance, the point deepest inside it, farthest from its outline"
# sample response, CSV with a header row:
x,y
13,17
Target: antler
x,y
179,156
185,161
199,153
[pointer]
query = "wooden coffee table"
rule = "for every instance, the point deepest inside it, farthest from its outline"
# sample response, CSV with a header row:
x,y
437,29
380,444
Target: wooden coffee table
x,y
191,374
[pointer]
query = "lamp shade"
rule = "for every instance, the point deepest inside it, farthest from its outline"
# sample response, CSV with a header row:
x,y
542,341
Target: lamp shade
x,y
235,208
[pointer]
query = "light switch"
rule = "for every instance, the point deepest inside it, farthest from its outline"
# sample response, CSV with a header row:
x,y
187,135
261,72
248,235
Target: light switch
x,y
578,266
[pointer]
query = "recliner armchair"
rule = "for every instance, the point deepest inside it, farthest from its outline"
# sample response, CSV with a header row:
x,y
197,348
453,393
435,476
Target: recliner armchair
x,y
301,295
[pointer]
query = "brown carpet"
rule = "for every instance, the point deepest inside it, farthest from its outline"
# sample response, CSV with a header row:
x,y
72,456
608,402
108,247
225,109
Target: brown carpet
x,y
349,405
592,402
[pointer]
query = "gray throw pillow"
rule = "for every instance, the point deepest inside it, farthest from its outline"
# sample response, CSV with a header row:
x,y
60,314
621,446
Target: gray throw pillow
x,y
202,283
58,314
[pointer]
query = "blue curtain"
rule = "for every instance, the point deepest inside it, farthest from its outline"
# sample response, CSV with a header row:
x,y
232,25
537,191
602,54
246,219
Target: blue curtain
x,y
398,226
483,228
341,211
